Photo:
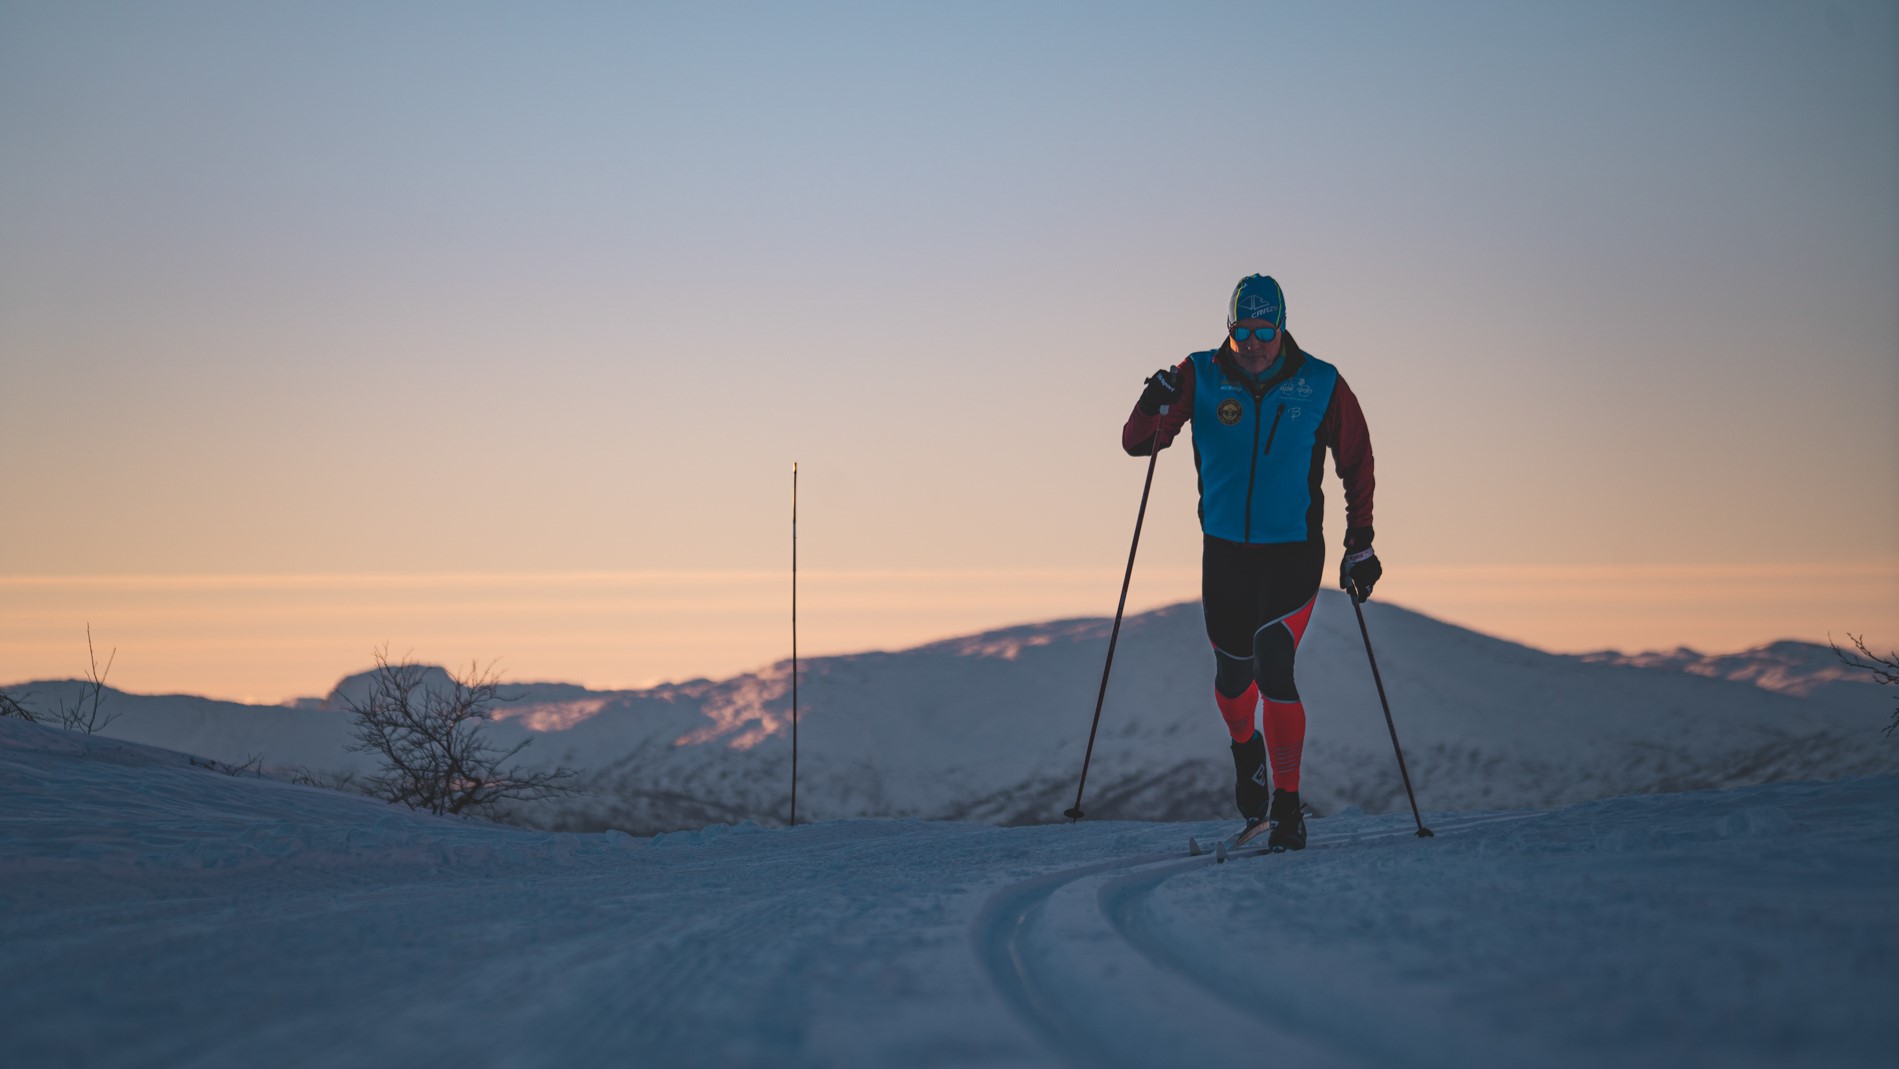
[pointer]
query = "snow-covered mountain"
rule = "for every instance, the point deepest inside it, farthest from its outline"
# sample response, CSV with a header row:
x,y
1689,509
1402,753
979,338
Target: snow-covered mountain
x,y
1802,668
992,727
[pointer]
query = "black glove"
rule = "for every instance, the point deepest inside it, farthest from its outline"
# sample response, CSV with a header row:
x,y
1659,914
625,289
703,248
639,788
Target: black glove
x,y
1163,388
1360,571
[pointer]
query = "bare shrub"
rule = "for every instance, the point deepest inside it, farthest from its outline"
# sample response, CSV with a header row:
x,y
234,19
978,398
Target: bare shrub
x,y
347,782
432,752
10,706
85,712
251,766
1885,669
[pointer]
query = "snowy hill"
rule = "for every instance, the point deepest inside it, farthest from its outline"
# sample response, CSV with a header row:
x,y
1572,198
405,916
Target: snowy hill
x,y
157,913
1802,668
991,727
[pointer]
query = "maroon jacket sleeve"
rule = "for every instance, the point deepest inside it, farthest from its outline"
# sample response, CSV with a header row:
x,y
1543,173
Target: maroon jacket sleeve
x,y
1344,430
1137,434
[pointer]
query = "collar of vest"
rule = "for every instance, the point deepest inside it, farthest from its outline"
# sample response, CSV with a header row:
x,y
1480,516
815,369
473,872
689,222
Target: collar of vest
x,y
1294,358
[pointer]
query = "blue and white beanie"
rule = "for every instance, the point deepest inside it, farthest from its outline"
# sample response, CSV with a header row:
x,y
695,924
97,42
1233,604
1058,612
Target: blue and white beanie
x,y
1257,297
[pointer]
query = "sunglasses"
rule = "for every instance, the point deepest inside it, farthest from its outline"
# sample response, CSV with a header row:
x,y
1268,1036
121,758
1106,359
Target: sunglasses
x,y
1262,333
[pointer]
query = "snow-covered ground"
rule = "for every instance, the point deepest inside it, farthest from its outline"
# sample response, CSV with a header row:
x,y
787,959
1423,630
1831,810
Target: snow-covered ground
x,y
155,913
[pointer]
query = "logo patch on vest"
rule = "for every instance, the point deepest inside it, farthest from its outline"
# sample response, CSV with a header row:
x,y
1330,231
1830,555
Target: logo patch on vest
x,y
1229,412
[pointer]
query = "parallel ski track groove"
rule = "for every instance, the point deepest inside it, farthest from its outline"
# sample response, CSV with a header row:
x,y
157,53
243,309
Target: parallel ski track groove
x,y
1123,903
1000,927
998,931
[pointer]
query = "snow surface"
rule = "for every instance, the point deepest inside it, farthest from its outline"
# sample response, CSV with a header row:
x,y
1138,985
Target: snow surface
x,y
993,726
154,912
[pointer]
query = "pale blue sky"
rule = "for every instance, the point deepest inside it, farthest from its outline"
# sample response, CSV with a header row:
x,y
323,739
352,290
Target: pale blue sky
x,y
300,288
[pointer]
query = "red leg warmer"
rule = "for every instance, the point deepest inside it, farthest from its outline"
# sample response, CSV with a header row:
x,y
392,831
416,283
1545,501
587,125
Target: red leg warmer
x,y
1239,712
1285,741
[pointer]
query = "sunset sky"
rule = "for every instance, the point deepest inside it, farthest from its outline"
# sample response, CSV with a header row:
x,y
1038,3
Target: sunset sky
x,y
492,331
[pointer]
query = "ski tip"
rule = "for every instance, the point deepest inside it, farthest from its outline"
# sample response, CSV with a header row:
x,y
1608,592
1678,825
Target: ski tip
x,y
1219,853
1193,847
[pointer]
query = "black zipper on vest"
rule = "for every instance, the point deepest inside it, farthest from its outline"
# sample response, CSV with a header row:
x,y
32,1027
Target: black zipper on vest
x,y
1258,393
1253,469
1275,430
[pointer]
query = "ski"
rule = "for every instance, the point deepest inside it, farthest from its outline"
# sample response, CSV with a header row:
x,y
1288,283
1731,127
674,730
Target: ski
x,y
1238,845
1225,849
1218,847
1222,847
1252,832
1256,850
1222,852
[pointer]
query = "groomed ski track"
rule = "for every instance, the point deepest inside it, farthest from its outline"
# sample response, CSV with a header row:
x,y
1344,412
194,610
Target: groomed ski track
x,y
1133,997
153,912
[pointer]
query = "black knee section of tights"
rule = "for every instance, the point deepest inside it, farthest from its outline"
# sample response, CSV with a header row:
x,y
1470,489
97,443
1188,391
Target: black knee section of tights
x,y
1231,675
1273,649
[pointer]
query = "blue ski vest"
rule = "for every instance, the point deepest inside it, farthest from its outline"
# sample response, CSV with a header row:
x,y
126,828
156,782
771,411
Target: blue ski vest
x,y
1259,458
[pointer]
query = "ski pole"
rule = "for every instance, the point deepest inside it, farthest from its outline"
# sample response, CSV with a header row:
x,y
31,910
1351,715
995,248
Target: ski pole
x,y
1423,832
1074,813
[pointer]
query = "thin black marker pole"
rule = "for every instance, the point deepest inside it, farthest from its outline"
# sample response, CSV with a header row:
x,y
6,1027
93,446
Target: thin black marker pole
x,y
794,643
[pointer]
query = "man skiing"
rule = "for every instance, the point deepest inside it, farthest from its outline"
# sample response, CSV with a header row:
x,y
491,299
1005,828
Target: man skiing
x,y
1264,412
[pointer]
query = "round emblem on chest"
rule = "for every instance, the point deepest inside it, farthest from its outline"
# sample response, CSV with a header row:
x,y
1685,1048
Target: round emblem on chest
x,y
1229,411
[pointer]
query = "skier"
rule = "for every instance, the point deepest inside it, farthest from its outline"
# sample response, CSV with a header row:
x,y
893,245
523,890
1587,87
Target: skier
x,y
1263,411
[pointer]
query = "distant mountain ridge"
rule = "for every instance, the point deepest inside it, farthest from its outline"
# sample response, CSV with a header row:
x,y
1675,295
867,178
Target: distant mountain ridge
x,y
1806,669
992,726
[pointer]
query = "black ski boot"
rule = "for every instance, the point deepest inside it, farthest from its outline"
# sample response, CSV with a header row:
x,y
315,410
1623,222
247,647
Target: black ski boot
x,y
1249,778
1289,824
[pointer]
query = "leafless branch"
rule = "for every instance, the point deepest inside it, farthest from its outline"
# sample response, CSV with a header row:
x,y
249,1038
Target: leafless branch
x,y
84,713
1885,669
13,707
431,747
330,781
251,766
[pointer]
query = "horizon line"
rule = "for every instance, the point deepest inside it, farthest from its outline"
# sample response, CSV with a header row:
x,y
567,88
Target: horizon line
x,y
1436,571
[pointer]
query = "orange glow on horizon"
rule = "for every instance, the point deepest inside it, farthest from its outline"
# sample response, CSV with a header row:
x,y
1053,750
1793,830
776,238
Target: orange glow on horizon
x,y
271,637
